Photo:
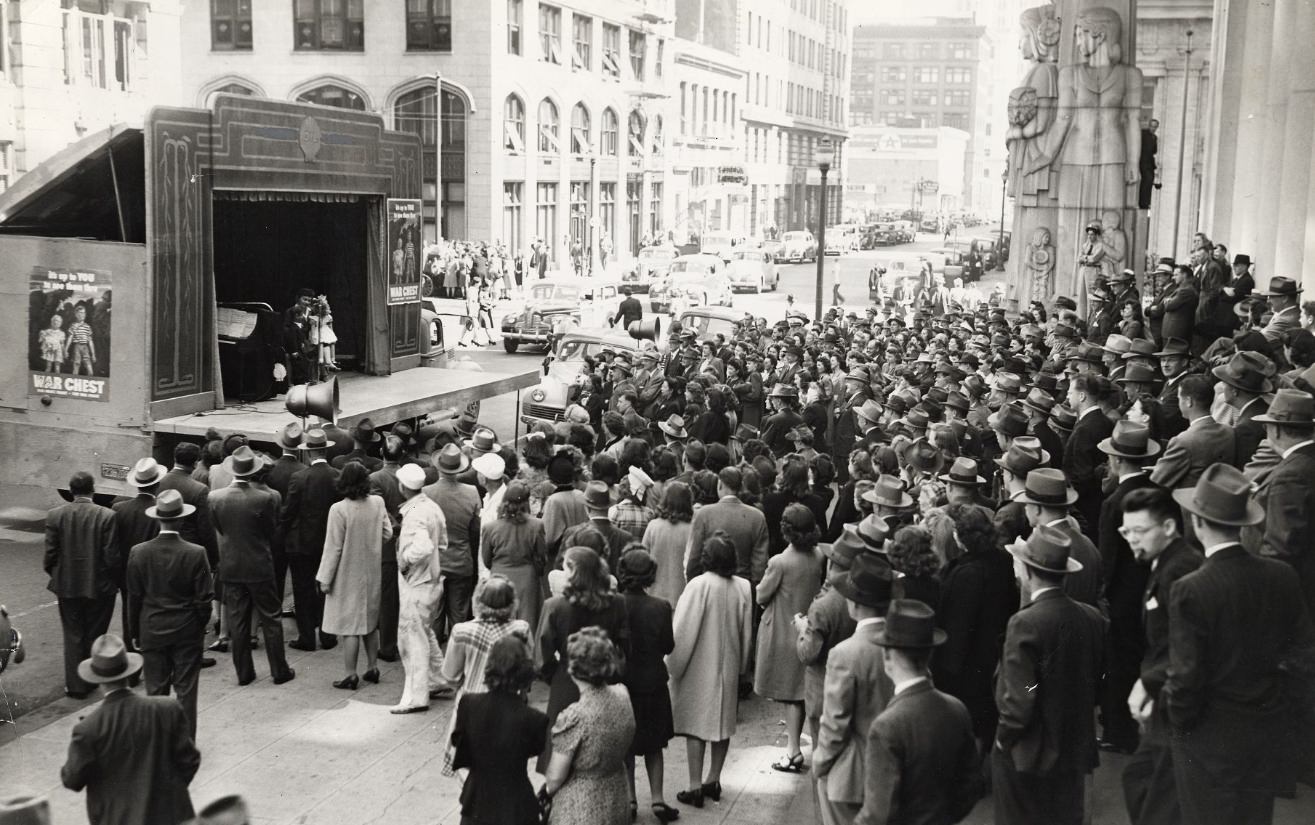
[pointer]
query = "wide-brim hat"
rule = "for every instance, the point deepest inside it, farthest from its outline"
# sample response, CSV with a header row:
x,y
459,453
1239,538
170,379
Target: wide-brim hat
x,y
910,624
244,462
597,496
1130,440
490,465
1117,344
845,549
365,432
146,473
888,491
169,504
1063,418
869,582
1290,408
24,809
924,456
1281,286
483,440
1222,495
451,460
869,411
110,661
316,439
1141,348
1046,549
1137,374
963,472
1011,419
1025,455
784,391
1039,400
1046,487
1174,346
1247,372
289,438
674,426
1122,276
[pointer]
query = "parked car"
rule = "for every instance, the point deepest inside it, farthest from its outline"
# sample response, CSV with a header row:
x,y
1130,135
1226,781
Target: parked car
x,y
693,280
772,246
650,266
554,306
841,239
753,269
721,245
797,247
548,401
709,322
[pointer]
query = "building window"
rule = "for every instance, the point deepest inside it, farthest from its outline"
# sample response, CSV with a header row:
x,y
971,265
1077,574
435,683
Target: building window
x,y
329,24
957,97
550,34
331,95
923,97
657,61
635,131
894,51
607,209
612,51
230,24
655,210
513,124
429,25
6,154
581,143
545,214
514,11
655,136
961,51
633,188
513,197
958,76
892,97
637,55
579,213
894,74
415,112
953,120
91,35
549,128
582,31
611,132
928,51
925,74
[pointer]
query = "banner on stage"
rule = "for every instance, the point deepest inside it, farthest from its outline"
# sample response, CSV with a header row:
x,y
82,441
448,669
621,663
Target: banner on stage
x,y
69,333
403,253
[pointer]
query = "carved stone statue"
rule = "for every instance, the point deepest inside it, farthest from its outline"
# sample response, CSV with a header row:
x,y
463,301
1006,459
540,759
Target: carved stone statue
x,y
1039,265
1115,242
1032,107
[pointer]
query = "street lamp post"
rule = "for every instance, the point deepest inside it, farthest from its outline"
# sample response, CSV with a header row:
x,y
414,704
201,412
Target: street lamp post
x,y
822,157
1000,238
1182,141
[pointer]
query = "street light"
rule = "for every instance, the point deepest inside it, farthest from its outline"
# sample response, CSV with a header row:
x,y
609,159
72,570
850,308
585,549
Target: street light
x,y
1182,141
822,156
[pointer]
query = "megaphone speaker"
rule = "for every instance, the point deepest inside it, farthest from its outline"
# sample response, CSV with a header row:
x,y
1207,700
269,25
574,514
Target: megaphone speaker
x,y
315,399
646,330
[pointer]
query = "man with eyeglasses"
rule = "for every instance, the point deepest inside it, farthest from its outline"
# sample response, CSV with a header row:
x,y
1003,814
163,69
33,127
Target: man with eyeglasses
x,y
1153,529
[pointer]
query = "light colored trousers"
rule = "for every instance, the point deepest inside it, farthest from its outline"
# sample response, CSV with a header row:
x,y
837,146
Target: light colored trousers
x,y
422,658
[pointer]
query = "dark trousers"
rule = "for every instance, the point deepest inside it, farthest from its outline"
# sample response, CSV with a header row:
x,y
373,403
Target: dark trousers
x,y
388,603
280,557
1207,800
454,605
306,594
1149,788
1123,652
83,621
177,665
1032,799
239,600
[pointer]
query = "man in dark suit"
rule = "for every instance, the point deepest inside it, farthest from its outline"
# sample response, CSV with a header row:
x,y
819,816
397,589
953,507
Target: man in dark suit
x,y
1129,448
304,522
1039,403
1174,360
1242,386
1082,465
597,500
132,526
132,754
629,310
1289,497
1046,498
196,528
1178,306
279,480
921,760
1240,648
746,526
1204,442
1047,687
169,591
82,560
383,483
245,518
364,440
1153,524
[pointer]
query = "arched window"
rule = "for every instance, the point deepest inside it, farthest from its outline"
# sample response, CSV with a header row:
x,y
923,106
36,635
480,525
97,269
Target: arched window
x,y
234,87
414,112
333,95
611,130
655,136
549,128
513,124
581,141
635,133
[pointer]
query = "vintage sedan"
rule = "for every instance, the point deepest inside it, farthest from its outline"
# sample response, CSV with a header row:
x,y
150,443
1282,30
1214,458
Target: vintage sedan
x,y
709,322
797,247
556,305
549,400
650,266
694,280
753,269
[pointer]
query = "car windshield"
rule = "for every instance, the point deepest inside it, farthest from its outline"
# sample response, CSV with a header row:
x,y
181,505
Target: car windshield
x,y
574,349
748,255
657,252
554,292
707,326
690,267
794,236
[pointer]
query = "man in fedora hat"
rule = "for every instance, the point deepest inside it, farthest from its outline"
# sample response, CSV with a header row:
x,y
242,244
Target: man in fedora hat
x,y
420,544
460,504
383,483
132,526
1047,498
1204,442
132,754
1239,632
1243,384
597,503
1289,497
1283,295
964,486
1087,395
245,519
279,479
1025,455
303,523
365,440
1039,405
1053,658
169,590
856,689
827,624
922,763
82,560
784,401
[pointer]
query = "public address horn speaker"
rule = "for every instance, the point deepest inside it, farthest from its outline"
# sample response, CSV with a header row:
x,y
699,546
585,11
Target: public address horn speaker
x,y
315,399
646,330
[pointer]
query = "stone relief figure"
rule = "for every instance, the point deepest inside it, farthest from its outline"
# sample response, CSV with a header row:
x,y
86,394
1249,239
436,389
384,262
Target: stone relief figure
x,y
1040,266
1115,241
1096,139
1032,107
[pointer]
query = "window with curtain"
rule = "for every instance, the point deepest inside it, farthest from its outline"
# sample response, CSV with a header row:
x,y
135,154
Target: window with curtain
x,y
635,131
581,143
230,25
513,124
638,46
545,216
607,208
514,11
612,51
329,25
582,41
332,95
611,133
549,128
429,25
655,135
513,197
550,34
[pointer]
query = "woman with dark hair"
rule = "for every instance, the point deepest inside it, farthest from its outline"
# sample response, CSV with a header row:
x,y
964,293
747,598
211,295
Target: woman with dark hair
x,y
1299,351
704,485
822,471
713,632
494,733
978,595
846,511
787,589
792,487
349,574
912,557
646,674
670,400
588,600
586,776
1130,320
536,450
666,537
665,467
513,546
713,427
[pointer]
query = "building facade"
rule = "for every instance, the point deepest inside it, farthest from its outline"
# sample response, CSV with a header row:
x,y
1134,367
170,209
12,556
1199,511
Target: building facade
x,y
929,74
74,67
551,124
797,58
892,169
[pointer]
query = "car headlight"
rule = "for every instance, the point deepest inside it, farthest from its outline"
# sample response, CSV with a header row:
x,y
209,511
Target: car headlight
x,y
537,396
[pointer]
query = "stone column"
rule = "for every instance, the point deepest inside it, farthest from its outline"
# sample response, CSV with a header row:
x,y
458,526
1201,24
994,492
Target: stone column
x,y
1281,52
1221,155
1298,139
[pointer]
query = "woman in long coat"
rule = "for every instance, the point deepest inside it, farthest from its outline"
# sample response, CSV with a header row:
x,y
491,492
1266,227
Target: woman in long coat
x,y
787,589
665,538
349,574
713,633
513,547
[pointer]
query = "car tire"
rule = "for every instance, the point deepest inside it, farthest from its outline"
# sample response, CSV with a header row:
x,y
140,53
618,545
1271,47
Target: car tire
x,y
510,346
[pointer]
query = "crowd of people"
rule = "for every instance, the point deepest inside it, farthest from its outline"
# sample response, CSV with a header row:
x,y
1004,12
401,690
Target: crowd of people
x,y
965,552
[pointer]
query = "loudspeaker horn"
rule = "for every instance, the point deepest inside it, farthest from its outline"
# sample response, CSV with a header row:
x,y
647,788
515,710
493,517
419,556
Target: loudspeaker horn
x,y
315,399
646,330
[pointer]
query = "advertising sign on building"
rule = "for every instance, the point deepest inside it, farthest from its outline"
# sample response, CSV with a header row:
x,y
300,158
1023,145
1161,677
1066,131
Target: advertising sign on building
x,y
403,251
732,174
69,333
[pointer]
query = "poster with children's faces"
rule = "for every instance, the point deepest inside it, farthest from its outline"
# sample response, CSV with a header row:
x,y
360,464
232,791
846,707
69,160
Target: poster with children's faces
x,y
69,333
404,253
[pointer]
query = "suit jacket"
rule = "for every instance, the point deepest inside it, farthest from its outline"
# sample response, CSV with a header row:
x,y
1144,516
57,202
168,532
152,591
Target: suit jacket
x,y
829,624
244,519
1169,420
383,483
856,690
493,736
1051,443
1228,683
1174,562
1285,321
921,757
279,477
746,526
305,516
1046,690
1082,457
1125,577
196,527
616,538
135,758
1188,454
1289,525
1247,432
776,431
132,527
1179,304
169,591
82,550
1088,584
371,463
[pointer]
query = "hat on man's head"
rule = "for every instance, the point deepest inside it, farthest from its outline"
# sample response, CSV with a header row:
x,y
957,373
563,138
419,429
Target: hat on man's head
x,y
869,581
146,473
365,432
784,391
1241,260
1290,408
597,496
1130,440
1062,418
1046,549
1282,286
244,462
924,456
1174,346
1039,400
483,440
315,439
289,438
1025,455
1222,495
490,465
1246,371
1011,419
674,427
869,411
1009,382
1046,487
1140,348
910,624
169,505
888,491
845,549
110,661
1122,276
1138,374
450,460
963,472
1117,344
411,476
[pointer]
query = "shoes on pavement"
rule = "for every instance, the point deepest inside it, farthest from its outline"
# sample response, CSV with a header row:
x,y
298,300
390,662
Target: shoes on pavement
x,y
207,661
415,709
286,677
327,641
218,646
389,655
300,644
712,790
371,676
694,798
442,693
350,683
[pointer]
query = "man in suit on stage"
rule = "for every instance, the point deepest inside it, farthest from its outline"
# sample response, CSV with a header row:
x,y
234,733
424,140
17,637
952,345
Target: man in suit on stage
x,y
304,522
1240,647
1204,442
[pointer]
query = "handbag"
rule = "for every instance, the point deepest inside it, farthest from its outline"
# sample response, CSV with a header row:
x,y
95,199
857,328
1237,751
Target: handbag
x,y
545,806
